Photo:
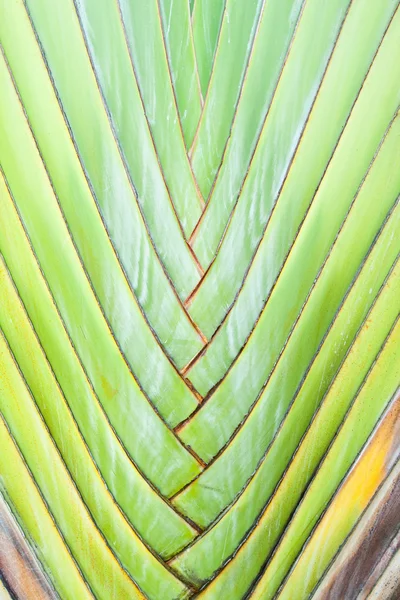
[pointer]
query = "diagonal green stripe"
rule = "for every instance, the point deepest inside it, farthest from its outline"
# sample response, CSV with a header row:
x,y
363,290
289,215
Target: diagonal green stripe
x,y
206,21
354,558
283,438
238,29
127,407
60,35
381,385
37,522
21,571
348,68
218,485
357,494
152,518
272,157
134,556
140,120
17,148
99,567
215,422
277,26
179,43
259,543
139,260
279,440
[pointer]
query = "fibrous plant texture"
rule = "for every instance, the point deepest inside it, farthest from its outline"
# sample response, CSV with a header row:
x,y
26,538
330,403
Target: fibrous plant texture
x,y
199,299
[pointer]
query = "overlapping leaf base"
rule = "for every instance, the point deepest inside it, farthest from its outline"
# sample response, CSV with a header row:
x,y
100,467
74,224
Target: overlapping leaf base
x,y
199,299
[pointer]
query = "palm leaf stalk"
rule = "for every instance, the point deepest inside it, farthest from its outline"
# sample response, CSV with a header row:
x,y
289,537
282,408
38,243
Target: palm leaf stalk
x,y
199,299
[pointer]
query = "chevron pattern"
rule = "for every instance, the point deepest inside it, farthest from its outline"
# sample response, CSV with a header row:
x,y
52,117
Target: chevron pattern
x,y
199,290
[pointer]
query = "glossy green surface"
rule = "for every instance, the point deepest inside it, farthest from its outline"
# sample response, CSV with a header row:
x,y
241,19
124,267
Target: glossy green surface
x,y
183,64
165,535
37,523
375,394
276,149
206,23
79,196
26,426
281,440
269,53
109,454
199,289
214,489
60,34
238,31
348,68
210,429
116,388
374,462
241,571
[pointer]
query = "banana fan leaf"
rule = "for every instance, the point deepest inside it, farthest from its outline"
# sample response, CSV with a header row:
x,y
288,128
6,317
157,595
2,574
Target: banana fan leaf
x,y
199,299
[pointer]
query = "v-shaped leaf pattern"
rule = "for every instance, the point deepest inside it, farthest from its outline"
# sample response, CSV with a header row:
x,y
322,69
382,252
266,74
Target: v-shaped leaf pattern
x,y
198,243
